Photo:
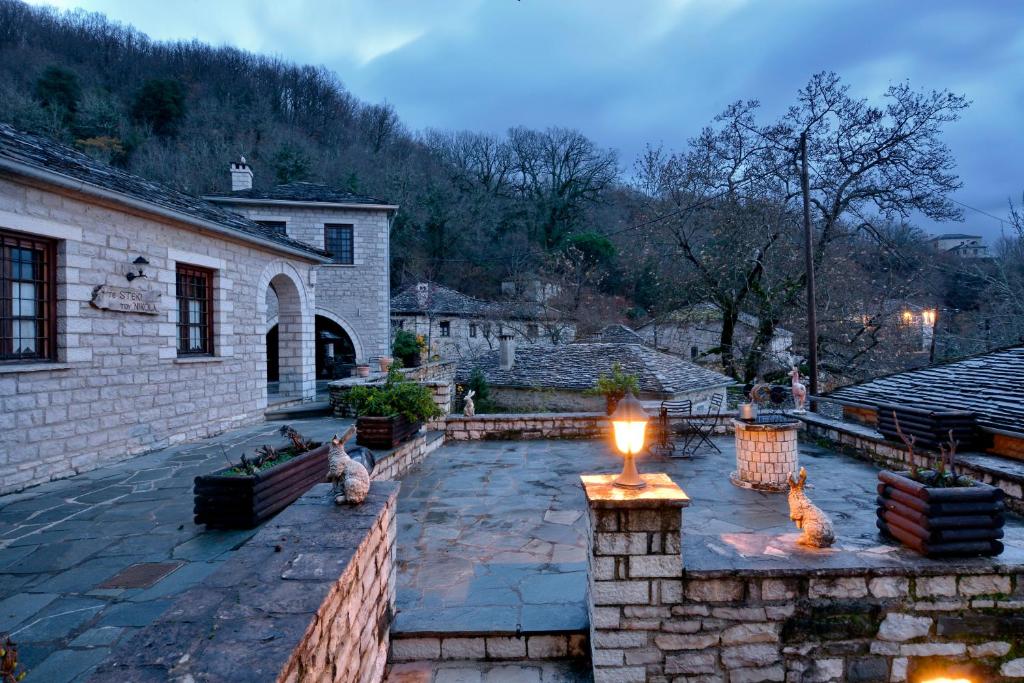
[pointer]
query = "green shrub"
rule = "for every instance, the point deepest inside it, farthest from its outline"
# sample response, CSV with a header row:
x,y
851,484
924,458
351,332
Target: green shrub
x,y
615,385
397,396
407,346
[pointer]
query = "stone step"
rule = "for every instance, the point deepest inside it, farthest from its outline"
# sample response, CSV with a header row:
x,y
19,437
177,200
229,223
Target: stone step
x,y
494,671
442,646
298,410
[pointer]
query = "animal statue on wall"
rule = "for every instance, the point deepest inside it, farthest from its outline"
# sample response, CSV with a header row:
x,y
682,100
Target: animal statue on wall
x,y
799,391
815,524
350,480
469,410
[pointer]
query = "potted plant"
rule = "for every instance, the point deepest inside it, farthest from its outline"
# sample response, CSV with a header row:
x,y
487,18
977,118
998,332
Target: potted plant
x,y
244,494
362,370
407,347
938,512
392,412
614,387
385,363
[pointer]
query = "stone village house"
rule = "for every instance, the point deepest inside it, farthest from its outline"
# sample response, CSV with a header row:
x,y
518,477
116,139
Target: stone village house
x,y
456,325
133,316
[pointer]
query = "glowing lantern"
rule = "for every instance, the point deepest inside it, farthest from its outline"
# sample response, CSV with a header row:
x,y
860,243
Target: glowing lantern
x,y
928,315
629,422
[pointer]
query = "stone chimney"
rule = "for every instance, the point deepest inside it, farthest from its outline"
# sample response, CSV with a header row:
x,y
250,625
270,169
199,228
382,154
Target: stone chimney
x,y
507,351
422,295
241,175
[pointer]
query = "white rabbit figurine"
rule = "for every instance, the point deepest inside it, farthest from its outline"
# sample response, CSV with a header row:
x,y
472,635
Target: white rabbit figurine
x,y
470,409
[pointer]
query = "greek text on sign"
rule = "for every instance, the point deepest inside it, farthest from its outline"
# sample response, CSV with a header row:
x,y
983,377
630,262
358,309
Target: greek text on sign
x,y
126,299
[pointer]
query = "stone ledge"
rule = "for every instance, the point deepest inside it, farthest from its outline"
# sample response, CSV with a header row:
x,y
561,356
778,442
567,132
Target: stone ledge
x,y
273,608
660,491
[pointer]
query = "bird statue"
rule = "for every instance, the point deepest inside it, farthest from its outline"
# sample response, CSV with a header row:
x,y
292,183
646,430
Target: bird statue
x,y
799,390
469,409
349,478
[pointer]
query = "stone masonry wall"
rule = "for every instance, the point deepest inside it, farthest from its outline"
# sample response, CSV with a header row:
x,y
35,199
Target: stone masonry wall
x,y
396,463
309,598
654,621
118,388
505,426
357,296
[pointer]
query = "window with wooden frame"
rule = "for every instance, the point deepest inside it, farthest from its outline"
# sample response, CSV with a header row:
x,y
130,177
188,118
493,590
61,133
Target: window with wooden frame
x,y
28,305
446,328
195,311
338,243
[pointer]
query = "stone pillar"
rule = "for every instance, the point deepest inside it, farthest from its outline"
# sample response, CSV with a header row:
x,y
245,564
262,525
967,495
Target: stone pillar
x,y
634,572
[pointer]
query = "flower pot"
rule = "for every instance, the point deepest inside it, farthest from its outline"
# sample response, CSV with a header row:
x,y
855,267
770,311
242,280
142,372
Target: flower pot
x,y
385,432
362,370
940,521
611,403
748,411
223,501
385,363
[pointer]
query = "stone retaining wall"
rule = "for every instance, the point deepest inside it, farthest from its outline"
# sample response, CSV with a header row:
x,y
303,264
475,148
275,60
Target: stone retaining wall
x,y
396,463
518,426
309,598
864,441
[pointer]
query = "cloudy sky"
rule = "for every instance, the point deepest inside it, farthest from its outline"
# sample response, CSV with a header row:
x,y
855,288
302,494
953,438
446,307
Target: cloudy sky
x,y
629,73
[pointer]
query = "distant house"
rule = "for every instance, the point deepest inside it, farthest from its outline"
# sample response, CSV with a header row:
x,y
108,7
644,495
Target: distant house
x,y
961,245
456,325
616,333
696,333
554,378
989,385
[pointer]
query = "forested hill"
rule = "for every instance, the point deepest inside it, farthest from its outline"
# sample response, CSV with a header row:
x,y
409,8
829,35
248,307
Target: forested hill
x,y
179,112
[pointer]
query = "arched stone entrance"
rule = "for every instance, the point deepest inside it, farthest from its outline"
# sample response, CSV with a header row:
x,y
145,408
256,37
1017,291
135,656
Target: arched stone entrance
x,y
290,342
335,352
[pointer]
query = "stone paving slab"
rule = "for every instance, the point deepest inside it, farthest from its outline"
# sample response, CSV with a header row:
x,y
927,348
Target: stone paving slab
x,y
61,540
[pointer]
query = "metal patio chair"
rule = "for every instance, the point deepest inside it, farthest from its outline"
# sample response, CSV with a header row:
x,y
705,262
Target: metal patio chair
x,y
665,432
704,428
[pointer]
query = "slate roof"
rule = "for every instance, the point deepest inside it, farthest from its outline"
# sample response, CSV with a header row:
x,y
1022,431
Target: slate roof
x,y
53,157
954,236
991,385
616,334
577,366
301,192
443,300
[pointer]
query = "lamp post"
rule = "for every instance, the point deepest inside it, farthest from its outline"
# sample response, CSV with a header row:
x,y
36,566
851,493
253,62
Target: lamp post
x,y
629,422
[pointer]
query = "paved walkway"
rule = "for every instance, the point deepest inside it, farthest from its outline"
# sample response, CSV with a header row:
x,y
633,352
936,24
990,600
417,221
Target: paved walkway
x,y
62,543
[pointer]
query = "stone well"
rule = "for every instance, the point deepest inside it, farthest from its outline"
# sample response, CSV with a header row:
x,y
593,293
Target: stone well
x,y
765,454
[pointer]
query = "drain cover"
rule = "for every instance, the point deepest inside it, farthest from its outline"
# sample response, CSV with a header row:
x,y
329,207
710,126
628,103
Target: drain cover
x,y
142,575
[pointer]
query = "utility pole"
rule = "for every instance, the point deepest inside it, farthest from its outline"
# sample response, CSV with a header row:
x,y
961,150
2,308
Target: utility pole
x,y
812,317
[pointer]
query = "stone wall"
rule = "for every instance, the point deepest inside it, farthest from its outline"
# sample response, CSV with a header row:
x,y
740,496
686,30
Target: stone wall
x,y
394,464
863,441
462,344
309,598
438,377
357,297
547,400
515,426
652,620
118,387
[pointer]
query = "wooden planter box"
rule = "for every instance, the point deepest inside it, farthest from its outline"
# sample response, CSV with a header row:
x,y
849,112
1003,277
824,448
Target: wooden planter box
x,y
940,522
931,427
385,432
242,502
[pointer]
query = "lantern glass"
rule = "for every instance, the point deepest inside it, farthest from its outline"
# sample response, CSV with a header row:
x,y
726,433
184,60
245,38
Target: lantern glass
x,y
629,422
629,436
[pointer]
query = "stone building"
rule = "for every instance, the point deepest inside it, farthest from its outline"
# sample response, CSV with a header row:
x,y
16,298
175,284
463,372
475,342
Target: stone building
x,y
555,378
960,245
353,289
133,316
456,325
696,333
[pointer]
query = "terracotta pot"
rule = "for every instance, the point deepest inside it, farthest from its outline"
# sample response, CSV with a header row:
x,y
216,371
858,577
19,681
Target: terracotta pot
x,y
363,370
385,363
611,403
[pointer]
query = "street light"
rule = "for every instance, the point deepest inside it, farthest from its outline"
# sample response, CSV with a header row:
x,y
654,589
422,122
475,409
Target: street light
x,y
629,422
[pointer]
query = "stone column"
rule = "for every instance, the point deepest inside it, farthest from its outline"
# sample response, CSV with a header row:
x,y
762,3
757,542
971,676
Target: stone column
x,y
635,566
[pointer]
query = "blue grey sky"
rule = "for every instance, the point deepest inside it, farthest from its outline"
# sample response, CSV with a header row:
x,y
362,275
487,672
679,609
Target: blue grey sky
x,y
646,71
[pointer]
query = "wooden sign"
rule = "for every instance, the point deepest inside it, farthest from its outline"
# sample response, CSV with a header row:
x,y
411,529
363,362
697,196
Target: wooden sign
x,y
126,300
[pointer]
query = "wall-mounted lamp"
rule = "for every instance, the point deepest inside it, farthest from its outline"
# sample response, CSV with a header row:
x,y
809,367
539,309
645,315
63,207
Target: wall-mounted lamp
x,y
629,421
140,261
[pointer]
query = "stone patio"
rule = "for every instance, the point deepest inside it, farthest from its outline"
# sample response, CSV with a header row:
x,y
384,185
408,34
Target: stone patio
x,y
61,541
492,535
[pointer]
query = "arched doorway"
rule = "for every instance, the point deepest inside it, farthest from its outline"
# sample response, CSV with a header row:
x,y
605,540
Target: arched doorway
x,y
335,352
287,315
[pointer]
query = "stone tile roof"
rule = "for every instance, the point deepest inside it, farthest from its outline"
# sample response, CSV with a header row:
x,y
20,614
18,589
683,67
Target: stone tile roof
x,y
441,300
53,157
991,385
616,334
577,366
301,192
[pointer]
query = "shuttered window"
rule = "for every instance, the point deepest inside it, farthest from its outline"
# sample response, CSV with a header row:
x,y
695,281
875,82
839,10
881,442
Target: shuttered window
x,y
27,298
